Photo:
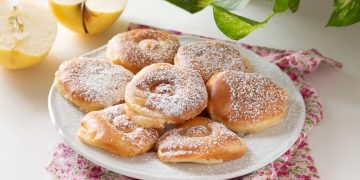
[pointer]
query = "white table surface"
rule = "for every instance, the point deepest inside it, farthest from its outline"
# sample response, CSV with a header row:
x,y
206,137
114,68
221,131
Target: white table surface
x,y
27,138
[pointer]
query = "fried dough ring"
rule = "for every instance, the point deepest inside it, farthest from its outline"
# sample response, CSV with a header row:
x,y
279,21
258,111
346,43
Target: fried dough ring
x,y
210,57
163,93
200,140
138,48
110,129
246,102
92,84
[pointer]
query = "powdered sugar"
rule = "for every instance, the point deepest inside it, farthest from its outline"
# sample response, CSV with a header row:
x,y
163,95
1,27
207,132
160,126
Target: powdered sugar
x,y
184,140
209,57
197,131
263,147
163,88
143,47
253,96
95,80
136,135
171,90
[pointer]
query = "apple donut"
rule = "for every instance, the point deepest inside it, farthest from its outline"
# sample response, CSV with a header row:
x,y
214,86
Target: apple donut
x,y
110,129
210,57
200,140
92,84
246,102
138,48
163,93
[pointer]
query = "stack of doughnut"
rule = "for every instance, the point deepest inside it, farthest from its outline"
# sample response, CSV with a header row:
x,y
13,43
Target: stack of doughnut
x,y
148,81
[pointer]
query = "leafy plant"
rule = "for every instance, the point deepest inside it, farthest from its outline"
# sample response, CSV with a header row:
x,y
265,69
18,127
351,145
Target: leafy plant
x,y
345,12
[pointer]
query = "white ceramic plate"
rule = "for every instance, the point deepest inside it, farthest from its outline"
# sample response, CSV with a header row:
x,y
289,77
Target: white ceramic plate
x,y
264,147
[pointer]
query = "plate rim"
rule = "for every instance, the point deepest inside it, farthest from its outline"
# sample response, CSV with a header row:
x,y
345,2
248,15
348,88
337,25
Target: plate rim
x,y
141,175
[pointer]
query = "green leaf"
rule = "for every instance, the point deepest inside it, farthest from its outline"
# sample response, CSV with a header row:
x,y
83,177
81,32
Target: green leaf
x,y
280,6
191,6
345,12
231,5
232,25
294,5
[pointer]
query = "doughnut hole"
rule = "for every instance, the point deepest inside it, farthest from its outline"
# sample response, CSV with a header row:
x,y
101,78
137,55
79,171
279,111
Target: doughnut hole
x,y
163,88
149,44
197,131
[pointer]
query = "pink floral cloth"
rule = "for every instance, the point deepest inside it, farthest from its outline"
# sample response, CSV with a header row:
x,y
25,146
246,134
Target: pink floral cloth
x,y
296,163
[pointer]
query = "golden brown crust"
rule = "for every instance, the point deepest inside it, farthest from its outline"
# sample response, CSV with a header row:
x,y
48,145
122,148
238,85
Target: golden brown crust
x,y
164,93
110,129
210,57
79,101
200,140
245,102
92,84
138,48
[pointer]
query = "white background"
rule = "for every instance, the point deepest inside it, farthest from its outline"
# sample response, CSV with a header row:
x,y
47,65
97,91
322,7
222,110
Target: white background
x,y
27,138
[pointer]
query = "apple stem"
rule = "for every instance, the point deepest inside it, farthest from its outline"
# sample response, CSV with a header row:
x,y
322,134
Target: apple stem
x,y
83,16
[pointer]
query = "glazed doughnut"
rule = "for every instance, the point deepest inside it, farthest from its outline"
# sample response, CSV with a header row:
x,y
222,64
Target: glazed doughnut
x,y
138,48
92,84
110,129
210,57
246,102
200,140
164,93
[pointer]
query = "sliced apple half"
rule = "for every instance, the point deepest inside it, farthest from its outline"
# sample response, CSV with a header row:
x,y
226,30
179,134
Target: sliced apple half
x,y
27,32
87,16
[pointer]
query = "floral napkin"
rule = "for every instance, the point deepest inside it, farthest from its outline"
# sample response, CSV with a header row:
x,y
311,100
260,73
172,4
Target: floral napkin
x,y
296,163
